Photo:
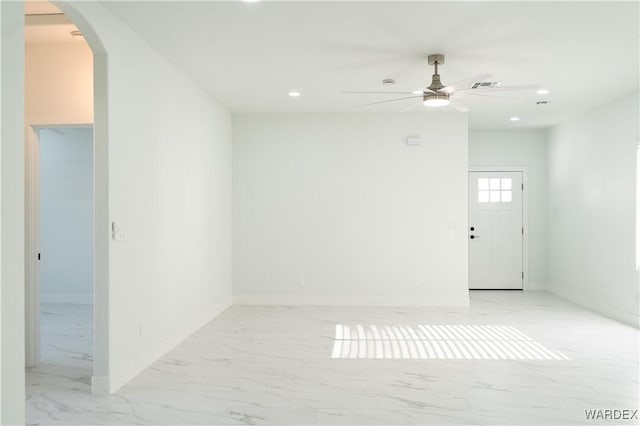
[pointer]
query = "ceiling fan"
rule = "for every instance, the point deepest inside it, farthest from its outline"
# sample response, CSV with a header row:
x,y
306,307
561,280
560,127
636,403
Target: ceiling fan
x,y
439,95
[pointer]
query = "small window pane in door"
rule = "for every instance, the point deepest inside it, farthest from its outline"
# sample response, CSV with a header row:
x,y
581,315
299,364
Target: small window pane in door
x,y
506,196
506,183
494,183
483,196
494,196
483,184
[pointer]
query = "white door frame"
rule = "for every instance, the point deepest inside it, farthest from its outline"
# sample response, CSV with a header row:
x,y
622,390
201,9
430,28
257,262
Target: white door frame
x,y
32,236
32,246
83,17
525,212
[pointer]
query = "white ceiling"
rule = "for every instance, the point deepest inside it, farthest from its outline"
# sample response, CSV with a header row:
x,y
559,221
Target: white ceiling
x,y
250,55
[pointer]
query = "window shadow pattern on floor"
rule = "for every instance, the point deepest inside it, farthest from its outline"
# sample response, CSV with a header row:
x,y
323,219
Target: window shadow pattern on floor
x,y
479,342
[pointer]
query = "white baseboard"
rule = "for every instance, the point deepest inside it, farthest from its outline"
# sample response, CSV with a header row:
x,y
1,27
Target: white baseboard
x,y
160,349
607,311
76,298
534,286
100,385
317,300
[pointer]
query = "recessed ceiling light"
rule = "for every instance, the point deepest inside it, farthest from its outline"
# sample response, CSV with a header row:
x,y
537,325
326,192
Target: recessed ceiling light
x,y
251,1
515,119
294,94
543,91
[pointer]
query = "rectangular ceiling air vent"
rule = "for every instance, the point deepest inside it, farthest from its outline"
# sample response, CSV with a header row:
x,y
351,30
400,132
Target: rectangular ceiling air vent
x,y
486,84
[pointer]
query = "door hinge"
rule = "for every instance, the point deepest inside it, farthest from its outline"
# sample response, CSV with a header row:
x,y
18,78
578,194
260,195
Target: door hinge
x,y
522,186
38,256
523,275
523,230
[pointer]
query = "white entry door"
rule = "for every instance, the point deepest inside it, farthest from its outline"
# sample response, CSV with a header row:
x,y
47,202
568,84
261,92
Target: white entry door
x,y
495,230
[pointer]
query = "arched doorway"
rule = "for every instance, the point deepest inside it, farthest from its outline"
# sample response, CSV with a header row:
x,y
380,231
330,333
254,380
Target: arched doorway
x,y
61,117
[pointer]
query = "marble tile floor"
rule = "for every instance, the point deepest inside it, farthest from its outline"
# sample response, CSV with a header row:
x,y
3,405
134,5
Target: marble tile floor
x,y
66,335
274,366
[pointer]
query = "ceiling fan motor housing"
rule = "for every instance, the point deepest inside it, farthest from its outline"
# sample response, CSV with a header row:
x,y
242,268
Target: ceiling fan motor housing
x,y
434,97
436,84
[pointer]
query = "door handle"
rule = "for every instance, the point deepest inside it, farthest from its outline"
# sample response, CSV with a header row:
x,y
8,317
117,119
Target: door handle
x,y
474,236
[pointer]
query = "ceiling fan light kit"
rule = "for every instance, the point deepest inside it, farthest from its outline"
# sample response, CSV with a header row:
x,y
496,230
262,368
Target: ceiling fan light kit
x,y
438,95
435,99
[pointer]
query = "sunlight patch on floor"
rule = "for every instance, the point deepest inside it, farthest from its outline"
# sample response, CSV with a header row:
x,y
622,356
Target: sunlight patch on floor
x,y
438,342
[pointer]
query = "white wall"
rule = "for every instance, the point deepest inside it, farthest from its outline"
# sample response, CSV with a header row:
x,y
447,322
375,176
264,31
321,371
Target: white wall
x,y
66,215
12,383
521,147
166,146
592,210
340,202
59,83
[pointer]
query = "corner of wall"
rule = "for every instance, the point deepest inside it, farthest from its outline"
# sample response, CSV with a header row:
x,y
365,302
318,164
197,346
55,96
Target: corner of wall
x,y
121,376
536,286
594,269
12,347
100,386
598,308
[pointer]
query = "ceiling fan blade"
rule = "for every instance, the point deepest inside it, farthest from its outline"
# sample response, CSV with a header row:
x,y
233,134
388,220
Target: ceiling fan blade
x,y
382,93
412,106
458,106
500,89
462,84
390,100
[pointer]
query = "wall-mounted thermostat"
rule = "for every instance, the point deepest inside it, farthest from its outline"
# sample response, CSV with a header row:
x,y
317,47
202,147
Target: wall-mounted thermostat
x,y
413,141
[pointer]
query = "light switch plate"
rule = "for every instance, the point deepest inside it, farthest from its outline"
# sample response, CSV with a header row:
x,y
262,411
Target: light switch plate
x,y
117,234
